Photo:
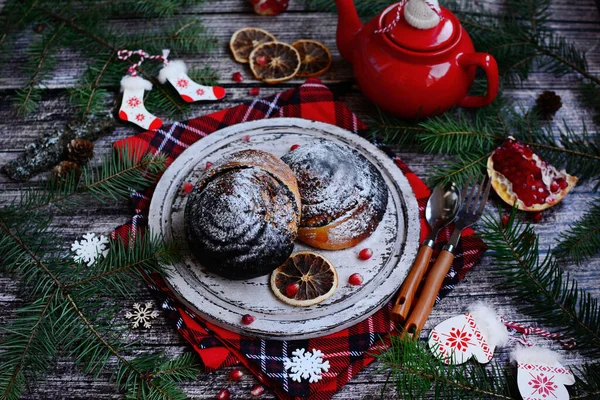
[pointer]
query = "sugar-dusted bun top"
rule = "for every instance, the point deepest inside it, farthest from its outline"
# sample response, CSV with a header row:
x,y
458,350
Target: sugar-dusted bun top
x,y
242,217
334,180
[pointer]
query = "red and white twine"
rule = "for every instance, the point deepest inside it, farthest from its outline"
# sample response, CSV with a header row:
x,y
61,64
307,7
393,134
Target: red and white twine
x,y
124,54
399,8
566,341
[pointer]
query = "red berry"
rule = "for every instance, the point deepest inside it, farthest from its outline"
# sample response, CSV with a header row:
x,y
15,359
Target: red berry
x,y
246,138
257,390
208,165
294,147
254,91
237,77
187,187
223,394
505,219
247,319
355,279
292,289
365,254
536,217
261,60
236,374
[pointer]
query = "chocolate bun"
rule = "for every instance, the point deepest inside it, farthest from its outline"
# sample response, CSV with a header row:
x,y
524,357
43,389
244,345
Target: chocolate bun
x,y
344,196
241,218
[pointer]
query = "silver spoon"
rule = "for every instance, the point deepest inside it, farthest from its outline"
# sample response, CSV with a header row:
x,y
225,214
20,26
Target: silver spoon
x,y
442,206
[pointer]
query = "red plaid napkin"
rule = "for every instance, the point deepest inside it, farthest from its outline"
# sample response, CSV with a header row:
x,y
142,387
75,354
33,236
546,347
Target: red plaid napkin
x,y
347,351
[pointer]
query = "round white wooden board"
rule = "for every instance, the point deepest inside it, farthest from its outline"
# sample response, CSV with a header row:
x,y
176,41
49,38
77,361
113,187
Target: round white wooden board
x,y
224,302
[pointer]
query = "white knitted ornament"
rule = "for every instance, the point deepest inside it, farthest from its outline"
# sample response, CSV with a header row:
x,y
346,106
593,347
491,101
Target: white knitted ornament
x,y
540,375
132,106
419,13
176,73
474,334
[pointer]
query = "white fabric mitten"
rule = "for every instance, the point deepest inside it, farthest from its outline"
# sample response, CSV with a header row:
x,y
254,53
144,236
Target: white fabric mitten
x,y
540,375
474,334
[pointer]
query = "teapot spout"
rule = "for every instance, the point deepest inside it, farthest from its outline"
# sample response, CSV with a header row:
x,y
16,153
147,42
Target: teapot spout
x,y
348,26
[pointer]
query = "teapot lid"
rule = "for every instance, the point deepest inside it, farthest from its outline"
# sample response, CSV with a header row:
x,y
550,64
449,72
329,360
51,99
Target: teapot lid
x,y
418,25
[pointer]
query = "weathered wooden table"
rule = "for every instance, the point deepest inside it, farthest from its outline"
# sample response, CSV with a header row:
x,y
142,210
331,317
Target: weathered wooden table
x,y
577,20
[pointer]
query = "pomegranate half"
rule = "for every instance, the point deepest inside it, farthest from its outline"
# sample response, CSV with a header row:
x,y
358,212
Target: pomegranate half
x,y
520,176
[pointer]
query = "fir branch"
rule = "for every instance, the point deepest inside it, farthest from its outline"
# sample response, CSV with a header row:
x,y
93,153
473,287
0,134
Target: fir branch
x,y
28,97
90,98
590,97
418,374
22,344
466,167
547,292
115,177
581,241
587,382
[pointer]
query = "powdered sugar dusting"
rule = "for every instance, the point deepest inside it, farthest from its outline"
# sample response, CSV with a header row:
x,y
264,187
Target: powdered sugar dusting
x,y
241,222
338,184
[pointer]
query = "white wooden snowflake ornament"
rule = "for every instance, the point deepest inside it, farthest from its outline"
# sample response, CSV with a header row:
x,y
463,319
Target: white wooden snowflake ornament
x,y
306,365
142,314
474,334
90,248
540,375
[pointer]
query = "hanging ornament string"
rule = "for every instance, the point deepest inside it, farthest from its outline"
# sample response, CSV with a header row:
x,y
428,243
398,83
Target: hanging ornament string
x,y
124,54
399,8
566,342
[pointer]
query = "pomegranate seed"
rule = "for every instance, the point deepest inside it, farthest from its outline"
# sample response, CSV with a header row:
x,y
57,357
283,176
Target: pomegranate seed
x,y
562,183
355,279
254,91
246,138
236,374
187,187
536,217
247,319
292,289
237,77
257,390
365,254
208,165
294,147
261,60
554,187
505,219
223,394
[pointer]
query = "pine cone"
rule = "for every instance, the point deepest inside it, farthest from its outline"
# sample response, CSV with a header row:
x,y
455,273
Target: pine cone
x,y
80,151
64,169
548,103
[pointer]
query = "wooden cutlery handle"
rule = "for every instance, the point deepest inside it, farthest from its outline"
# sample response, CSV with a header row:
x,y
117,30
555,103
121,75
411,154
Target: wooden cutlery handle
x,y
422,309
410,285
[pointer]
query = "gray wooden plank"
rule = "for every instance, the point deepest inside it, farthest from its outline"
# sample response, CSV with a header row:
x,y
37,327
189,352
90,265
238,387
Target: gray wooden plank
x,y
576,21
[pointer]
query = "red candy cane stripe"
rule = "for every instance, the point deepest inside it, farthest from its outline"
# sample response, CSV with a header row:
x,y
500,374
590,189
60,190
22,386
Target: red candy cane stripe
x,y
124,54
401,5
566,342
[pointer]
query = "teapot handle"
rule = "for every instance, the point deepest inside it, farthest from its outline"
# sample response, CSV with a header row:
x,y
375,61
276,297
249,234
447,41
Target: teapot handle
x,y
488,63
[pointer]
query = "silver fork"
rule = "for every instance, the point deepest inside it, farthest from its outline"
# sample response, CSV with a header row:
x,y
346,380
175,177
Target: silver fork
x,y
473,204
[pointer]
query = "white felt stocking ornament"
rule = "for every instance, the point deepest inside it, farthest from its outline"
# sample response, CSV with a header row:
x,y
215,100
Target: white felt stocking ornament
x,y
540,375
474,334
132,107
176,73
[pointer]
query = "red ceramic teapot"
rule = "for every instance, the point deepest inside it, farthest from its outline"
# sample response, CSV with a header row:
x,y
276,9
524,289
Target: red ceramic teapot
x,y
414,59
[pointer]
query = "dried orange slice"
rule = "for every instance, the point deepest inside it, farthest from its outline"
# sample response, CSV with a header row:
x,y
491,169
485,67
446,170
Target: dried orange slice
x,y
315,58
243,41
274,62
304,279
520,176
